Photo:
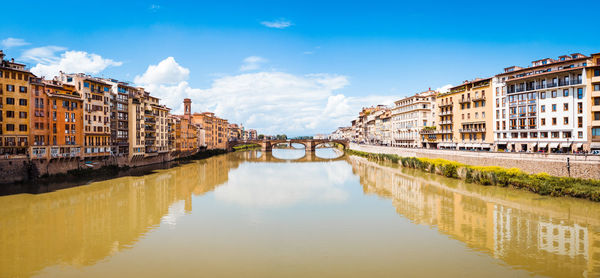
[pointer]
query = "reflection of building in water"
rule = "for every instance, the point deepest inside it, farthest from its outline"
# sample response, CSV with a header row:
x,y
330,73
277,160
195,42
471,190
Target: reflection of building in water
x,y
85,224
511,229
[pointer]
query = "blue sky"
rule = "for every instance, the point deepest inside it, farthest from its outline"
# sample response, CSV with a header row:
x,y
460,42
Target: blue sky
x,y
314,63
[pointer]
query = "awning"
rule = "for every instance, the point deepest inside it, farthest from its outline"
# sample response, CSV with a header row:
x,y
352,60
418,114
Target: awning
x,y
476,145
595,146
578,145
533,145
468,145
543,145
461,145
553,145
565,145
485,146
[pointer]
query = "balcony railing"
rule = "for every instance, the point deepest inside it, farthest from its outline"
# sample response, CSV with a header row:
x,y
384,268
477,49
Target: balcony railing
x,y
464,100
471,130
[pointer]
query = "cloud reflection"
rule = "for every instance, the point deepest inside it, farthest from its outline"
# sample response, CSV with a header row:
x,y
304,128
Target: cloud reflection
x,y
262,187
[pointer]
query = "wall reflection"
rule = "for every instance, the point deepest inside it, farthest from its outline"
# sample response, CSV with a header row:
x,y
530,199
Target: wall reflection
x,y
82,225
555,237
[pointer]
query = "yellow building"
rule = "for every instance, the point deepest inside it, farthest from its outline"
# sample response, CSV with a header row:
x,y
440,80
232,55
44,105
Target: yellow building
x,y
14,107
216,130
593,78
465,116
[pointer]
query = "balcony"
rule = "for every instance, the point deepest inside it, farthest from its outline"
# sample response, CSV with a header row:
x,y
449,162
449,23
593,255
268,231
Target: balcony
x,y
427,131
471,130
552,85
445,122
446,113
448,104
464,100
478,98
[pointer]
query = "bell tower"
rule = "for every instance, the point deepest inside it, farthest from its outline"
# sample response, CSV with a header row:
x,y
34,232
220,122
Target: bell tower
x,y
187,108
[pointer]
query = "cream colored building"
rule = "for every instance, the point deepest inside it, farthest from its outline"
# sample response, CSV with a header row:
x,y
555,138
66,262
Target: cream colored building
x,y
409,116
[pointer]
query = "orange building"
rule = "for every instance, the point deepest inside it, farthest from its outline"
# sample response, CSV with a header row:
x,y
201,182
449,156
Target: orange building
x,y
56,121
215,129
14,107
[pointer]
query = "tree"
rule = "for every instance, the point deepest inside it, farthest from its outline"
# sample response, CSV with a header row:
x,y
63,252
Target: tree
x,y
261,136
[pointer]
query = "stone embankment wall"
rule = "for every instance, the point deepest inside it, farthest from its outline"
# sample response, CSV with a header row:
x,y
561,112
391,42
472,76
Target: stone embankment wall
x,y
582,166
21,169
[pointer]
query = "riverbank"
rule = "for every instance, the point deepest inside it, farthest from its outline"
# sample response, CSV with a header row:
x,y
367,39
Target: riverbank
x,y
540,183
560,165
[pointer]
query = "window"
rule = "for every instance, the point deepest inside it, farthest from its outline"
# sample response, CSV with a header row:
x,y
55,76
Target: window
x,y
22,89
555,134
543,95
10,114
596,116
579,93
10,101
597,101
565,92
596,87
10,127
597,72
22,127
579,122
86,84
579,107
553,107
579,134
23,102
543,121
23,115
566,120
566,134
553,121
10,88
553,94
566,107
543,108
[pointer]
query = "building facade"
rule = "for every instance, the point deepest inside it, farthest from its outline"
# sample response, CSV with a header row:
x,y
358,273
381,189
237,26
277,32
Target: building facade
x,y
96,113
14,107
541,108
409,116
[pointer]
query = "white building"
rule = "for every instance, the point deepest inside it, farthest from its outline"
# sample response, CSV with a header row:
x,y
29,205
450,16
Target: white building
x,y
409,116
542,107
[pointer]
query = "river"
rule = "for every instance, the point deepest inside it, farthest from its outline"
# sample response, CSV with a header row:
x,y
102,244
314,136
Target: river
x,y
286,214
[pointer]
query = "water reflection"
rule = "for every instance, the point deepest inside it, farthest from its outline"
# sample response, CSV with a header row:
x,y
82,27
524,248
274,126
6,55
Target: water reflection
x,y
251,214
548,236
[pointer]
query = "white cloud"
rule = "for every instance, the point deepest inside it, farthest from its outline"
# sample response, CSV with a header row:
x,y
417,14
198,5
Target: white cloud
x,y
444,88
154,7
168,71
13,42
252,63
44,54
50,65
279,24
272,102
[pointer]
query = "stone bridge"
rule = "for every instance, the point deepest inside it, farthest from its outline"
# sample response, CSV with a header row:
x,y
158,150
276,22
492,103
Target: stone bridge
x,y
269,157
267,145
